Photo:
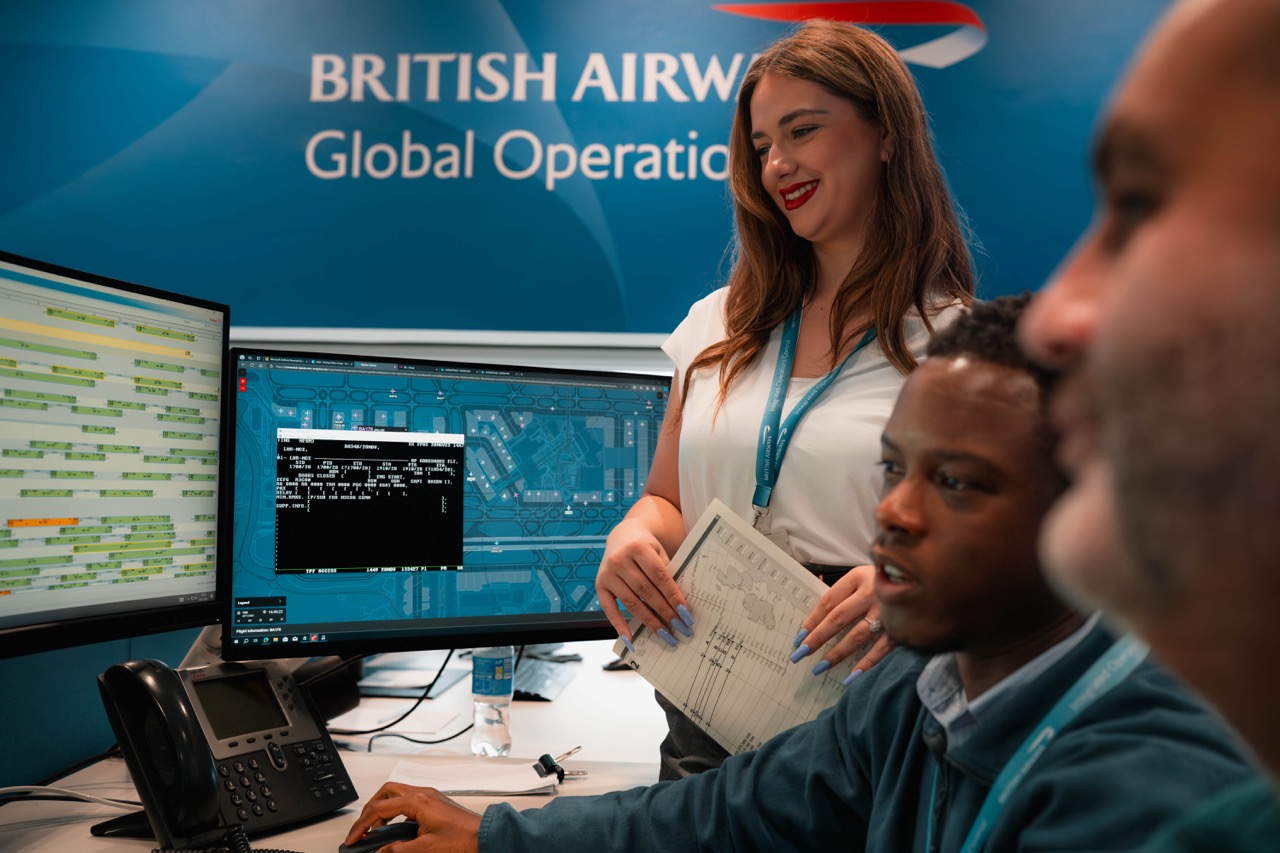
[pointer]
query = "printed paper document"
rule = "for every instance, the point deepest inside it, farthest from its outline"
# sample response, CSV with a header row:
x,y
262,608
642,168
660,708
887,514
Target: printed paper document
x,y
734,677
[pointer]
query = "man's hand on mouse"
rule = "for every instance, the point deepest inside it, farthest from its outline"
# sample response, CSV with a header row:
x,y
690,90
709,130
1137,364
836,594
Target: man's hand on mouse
x,y
443,825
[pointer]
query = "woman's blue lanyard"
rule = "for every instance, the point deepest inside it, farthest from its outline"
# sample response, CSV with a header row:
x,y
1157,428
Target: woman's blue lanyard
x,y
1107,671
775,435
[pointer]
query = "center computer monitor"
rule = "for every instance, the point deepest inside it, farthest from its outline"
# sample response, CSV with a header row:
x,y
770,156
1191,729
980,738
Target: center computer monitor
x,y
400,504
111,437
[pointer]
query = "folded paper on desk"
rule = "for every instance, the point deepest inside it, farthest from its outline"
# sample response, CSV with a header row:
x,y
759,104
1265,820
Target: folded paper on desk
x,y
428,661
734,677
408,683
477,778
425,720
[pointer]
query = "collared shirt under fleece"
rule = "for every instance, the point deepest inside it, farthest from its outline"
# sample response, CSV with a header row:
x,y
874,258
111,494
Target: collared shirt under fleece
x,y
861,776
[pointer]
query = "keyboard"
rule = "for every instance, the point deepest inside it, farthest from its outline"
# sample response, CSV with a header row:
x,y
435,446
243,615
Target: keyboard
x,y
541,680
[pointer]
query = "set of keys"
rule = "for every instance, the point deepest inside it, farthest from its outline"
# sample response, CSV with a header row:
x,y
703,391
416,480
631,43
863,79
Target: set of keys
x,y
547,766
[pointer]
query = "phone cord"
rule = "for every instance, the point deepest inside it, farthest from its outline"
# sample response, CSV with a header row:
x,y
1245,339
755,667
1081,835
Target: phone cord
x,y
234,841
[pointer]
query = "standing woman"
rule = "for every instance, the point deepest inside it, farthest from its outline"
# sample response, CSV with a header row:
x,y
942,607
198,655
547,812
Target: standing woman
x,y
849,253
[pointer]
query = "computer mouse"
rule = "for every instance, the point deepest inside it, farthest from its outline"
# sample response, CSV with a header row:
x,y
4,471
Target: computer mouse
x,y
403,830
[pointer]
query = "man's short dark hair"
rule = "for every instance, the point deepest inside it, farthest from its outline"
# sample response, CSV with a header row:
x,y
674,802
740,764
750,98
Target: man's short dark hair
x,y
987,331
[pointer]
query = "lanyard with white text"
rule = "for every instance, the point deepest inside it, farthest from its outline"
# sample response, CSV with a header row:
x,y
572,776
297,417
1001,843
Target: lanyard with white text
x,y
1107,671
772,445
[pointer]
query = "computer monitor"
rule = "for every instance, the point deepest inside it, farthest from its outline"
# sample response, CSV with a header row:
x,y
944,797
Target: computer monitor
x,y
401,504
111,457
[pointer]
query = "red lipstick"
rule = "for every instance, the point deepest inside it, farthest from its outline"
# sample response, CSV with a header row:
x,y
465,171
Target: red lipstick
x,y
797,194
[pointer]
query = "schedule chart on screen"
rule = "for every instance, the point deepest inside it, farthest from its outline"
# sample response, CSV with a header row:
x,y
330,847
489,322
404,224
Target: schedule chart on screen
x,y
369,492
109,431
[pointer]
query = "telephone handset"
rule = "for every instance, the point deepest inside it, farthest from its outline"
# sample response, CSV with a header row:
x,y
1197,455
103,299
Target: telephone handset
x,y
220,746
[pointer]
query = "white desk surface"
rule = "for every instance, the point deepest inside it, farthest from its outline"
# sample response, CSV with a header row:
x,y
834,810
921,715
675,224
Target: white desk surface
x,y
611,715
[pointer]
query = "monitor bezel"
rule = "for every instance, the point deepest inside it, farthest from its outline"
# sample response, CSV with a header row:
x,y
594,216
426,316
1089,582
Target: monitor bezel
x,y
595,628
127,623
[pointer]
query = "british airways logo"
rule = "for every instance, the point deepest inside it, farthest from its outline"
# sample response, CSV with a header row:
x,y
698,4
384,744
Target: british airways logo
x,y
968,37
551,154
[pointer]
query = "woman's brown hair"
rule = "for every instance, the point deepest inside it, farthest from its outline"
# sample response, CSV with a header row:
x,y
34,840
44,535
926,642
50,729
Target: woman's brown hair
x,y
915,256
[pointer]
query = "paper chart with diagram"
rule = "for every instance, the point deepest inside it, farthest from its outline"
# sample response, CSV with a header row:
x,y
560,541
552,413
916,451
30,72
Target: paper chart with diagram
x,y
734,677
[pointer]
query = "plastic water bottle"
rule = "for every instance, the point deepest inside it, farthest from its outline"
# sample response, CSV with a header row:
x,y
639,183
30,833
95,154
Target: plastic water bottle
x,y
492,685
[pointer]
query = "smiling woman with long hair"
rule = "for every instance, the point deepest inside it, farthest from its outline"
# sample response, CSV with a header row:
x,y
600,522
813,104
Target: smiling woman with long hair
x,y
848,254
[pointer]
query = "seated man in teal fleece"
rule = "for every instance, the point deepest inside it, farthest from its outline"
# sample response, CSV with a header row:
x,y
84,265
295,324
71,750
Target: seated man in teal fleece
x,y
1003,718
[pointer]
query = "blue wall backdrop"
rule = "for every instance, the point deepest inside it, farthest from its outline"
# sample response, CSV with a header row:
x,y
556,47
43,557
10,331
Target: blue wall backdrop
x,y
540,165
53,716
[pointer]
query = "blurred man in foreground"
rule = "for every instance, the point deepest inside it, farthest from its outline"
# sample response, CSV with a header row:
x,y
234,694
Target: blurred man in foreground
x,y
1170,420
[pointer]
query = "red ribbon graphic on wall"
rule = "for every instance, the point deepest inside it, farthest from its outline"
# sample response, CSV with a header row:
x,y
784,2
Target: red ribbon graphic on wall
x,y
967,39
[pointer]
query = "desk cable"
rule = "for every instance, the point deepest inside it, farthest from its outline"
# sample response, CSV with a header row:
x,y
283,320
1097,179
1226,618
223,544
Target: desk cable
x,y
381,731
46,790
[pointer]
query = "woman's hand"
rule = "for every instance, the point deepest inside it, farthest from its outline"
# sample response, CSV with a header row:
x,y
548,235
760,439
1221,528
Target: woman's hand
x,y
850,601
634,569
636,572
443,825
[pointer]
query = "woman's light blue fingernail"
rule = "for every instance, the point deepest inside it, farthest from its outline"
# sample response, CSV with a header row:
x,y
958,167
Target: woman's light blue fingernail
x,y
799,653
849,679
685,615
822,667
666,635
678,625
804,632
627,643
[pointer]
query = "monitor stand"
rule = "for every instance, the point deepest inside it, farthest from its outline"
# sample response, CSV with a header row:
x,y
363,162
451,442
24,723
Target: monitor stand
x,y
206,649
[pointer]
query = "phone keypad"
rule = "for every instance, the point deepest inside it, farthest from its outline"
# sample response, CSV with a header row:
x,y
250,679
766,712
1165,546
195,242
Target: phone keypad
x,y
251,790
250,795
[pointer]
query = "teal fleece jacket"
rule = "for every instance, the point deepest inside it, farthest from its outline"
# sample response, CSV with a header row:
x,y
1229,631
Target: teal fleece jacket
x,y
862,776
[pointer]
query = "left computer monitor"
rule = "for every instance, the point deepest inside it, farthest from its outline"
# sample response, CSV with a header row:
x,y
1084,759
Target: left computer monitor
x,y
111,457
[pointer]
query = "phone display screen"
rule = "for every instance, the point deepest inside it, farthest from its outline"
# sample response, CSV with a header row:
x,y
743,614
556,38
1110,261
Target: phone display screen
x,y
240,704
